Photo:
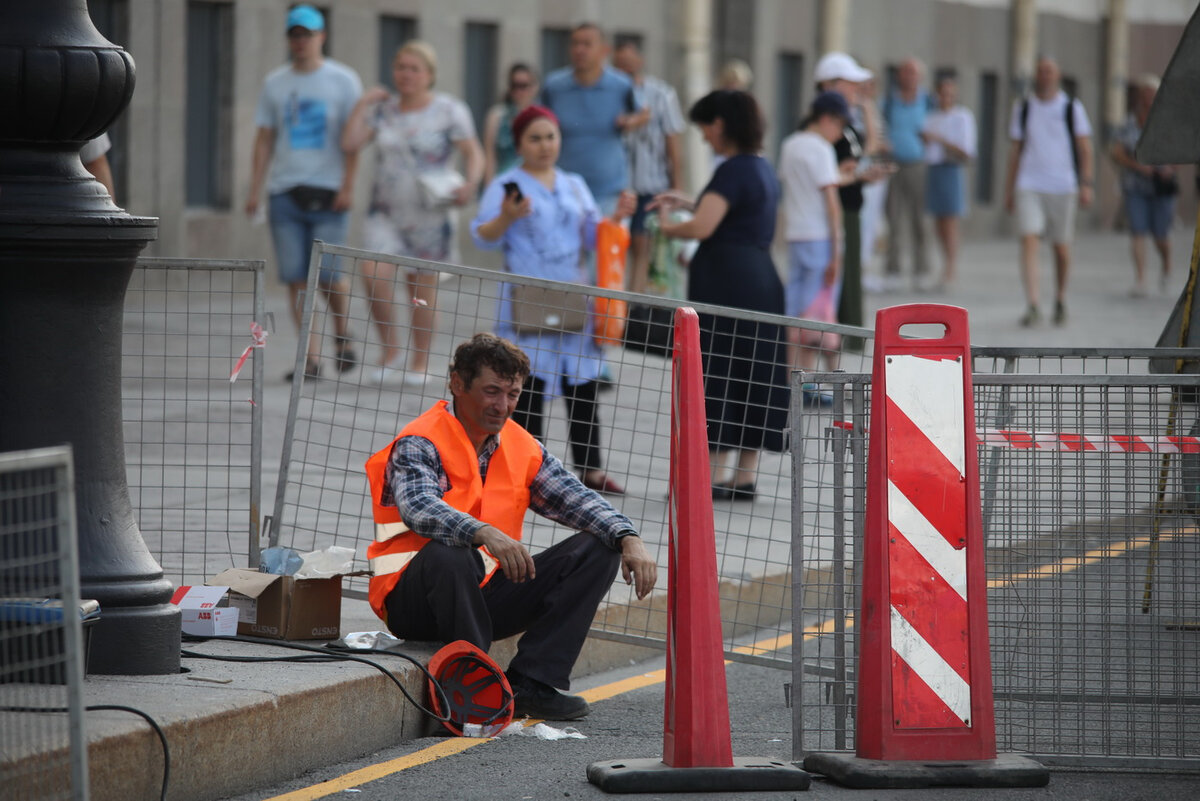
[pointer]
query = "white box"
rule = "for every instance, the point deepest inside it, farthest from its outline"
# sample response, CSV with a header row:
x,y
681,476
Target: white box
x,y
202,615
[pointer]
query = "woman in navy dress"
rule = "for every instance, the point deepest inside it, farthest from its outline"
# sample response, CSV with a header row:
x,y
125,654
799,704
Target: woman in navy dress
x,y
745,374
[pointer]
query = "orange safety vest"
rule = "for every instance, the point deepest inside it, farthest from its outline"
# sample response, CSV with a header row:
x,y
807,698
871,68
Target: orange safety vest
x,y
501,501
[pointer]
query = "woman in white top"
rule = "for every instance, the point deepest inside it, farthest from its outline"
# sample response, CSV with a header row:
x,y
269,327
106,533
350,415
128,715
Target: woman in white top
x,y
809,176
418,134
949,136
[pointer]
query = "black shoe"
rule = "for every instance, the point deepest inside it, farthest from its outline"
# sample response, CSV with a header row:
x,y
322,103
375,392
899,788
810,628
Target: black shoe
x,y
729,492
344,355
538,700
312,372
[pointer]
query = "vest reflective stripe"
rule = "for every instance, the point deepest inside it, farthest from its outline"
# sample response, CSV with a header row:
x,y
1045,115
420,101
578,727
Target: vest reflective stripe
x,y
391,562
501,502
385,531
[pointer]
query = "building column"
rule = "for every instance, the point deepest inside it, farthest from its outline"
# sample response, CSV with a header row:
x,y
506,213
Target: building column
x,y
1116,65
834,16
697,82
1024,45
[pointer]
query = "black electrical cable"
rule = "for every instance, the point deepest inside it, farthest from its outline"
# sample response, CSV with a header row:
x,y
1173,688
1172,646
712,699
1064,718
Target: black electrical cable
x,y
327,654
162,737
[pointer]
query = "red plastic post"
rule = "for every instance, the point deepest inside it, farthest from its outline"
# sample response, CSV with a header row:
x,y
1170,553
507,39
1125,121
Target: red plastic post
x,y
925,679
696,716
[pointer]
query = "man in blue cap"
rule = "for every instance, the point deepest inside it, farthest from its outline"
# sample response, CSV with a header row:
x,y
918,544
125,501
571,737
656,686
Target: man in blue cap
x,y
301,112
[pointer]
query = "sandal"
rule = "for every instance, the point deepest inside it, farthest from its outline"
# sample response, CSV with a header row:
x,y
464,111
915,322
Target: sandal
x,y
344,354
312,371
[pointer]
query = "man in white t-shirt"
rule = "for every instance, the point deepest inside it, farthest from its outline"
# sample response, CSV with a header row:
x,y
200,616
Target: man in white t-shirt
x,y
309,179
812,211
1048,174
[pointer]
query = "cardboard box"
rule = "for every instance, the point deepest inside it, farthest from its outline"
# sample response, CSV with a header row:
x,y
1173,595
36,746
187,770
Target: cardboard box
x,y
284,607
203,615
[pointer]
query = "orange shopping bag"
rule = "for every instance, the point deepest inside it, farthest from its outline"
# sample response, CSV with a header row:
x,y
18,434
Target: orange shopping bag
x,y
612,244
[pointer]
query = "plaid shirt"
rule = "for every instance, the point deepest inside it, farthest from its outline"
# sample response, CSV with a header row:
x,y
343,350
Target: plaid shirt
x,y
415,483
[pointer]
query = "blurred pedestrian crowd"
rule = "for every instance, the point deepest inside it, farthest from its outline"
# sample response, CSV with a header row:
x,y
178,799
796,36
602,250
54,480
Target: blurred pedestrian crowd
x,y
593,150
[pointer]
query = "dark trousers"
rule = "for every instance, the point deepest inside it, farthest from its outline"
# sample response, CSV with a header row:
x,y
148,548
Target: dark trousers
x,y
439,598
583,418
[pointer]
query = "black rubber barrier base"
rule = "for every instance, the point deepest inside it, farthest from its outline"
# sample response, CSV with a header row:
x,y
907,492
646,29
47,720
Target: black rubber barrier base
x,y
655,776
1006,770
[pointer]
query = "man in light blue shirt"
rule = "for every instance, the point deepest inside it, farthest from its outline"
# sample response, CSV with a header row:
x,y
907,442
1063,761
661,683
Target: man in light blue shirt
x,y
595,105
904,112
300,115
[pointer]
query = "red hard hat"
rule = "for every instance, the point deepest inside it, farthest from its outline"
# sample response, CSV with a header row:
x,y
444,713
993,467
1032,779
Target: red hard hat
x,y
474,686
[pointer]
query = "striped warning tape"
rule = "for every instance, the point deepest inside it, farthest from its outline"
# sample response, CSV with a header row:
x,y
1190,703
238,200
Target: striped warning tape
x,y
1061,441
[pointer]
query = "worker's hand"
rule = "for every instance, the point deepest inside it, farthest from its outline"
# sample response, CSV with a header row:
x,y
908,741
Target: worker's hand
x,y
638,568
514,559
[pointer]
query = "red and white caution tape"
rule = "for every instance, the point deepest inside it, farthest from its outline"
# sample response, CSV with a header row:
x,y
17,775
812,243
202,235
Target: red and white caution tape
x,y
1075,443
258,336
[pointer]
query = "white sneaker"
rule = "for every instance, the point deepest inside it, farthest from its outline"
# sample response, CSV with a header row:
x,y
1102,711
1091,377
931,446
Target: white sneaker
x,y
415,379
391,373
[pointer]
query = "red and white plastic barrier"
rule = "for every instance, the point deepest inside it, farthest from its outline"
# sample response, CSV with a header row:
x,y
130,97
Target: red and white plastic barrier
x,y
1074,442
925,687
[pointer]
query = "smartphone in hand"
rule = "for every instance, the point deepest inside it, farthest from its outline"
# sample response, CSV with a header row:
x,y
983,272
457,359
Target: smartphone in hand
x,y
512,189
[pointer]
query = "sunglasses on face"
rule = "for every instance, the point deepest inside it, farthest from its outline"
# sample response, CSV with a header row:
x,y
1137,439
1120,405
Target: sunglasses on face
x,y
516,85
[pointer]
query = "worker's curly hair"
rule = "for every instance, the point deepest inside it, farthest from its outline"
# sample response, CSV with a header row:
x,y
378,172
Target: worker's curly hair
x,y
488,350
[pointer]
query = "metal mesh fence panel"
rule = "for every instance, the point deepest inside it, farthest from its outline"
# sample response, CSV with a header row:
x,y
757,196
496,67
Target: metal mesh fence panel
x,y
1090,485
43,755
338,419
193,437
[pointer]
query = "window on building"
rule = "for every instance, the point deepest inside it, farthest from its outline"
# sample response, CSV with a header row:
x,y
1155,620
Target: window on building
x,y
111,18
789,95
481,68
985,161
209,104
556,49
393,32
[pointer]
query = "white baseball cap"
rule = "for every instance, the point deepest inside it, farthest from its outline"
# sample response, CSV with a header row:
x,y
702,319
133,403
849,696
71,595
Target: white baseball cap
x,y
839,66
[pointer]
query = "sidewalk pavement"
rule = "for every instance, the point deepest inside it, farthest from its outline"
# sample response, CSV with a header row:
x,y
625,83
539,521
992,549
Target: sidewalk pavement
x,y
233,727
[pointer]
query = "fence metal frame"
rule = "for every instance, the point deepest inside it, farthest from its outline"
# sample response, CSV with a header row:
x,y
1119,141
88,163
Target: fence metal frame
x,y
850,437
58,459
253,371
291,480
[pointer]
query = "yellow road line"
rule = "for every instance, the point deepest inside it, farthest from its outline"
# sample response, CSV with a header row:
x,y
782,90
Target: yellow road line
x,y
771,644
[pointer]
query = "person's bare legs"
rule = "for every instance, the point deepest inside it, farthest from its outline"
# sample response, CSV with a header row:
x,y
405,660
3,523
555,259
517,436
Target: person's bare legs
x,y
1062,269
296,290
1164,252
337,295
947,232
379,277
423,286
1137,247
718,465
638,277
747,469
1029,275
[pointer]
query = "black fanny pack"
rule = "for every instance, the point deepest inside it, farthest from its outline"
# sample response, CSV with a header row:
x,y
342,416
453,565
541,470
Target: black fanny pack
x,y
312,198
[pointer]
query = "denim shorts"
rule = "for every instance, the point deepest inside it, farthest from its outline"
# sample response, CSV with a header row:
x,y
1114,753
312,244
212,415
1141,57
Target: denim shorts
x,y
807,261
293,231
1149,214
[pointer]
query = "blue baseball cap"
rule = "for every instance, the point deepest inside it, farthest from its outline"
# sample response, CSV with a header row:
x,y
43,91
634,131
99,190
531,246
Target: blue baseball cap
x,y
832,104
305,17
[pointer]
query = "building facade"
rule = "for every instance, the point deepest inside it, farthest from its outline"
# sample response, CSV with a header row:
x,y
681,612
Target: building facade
x,y
183,149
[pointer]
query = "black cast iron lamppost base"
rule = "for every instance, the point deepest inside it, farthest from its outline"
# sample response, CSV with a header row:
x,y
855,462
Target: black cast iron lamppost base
x,y
66,255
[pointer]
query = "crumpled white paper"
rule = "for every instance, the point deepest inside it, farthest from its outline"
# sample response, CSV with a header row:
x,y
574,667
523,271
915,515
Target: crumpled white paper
x,y
541,731
368,640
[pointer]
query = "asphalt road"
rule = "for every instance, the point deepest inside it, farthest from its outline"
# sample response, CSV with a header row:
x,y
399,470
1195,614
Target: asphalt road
x,y
629,725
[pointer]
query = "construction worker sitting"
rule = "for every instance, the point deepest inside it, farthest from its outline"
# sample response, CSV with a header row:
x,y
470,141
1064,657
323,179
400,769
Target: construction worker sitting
x,y
449,495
